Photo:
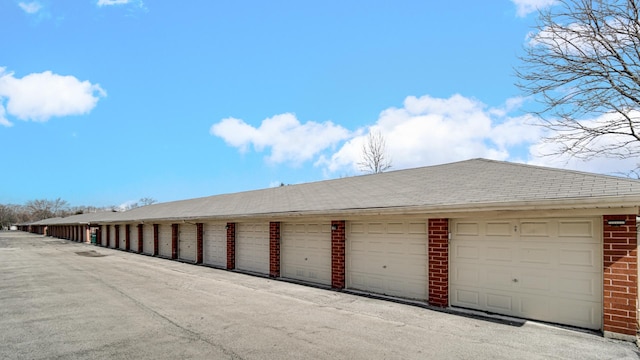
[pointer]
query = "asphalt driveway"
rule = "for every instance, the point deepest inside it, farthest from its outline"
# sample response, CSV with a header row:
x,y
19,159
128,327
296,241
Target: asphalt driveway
x,y
64,300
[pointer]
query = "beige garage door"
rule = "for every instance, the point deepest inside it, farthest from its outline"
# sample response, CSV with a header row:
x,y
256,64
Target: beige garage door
x,y
133,237
214,244
147,239
164,240
187,242
388,257
112,236
104,238
252,247
123,232
542,269
305,252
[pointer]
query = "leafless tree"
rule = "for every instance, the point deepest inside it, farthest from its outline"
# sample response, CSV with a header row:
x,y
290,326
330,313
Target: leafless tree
x,y
583,65
147,201
374,154
43,208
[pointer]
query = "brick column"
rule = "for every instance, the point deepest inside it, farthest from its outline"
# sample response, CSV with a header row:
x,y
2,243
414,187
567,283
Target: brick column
x,y
99,235
116,228
155,239
174,240
127,237
140,239
231,246
199,241
338,242
439,262
620,260
274,249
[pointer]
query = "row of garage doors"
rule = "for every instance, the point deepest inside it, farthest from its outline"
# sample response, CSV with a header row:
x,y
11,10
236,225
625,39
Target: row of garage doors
x,y
544,269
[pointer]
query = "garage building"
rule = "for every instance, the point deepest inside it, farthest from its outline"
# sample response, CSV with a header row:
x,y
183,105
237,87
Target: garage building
x,y
532,242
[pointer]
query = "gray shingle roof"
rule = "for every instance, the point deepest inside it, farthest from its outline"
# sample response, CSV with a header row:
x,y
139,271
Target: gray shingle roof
x,y
471,184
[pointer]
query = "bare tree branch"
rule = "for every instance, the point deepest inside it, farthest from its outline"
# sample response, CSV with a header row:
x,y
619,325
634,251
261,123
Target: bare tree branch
x,y
583,66
374,154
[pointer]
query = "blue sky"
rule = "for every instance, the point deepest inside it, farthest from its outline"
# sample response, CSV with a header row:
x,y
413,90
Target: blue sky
x,y
106,101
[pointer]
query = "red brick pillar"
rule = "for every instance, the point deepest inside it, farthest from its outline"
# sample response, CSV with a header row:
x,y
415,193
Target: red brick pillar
x,y
174,240
108,235
155,239
199,241
439,262
127,237
116,228
231,246
620,260
99,235
140,239
274,249
338,242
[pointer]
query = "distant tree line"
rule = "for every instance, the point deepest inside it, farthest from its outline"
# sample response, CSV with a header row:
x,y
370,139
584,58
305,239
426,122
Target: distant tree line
x,y
34,210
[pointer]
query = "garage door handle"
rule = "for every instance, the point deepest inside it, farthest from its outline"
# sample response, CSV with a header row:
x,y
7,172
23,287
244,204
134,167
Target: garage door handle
x,y
515,280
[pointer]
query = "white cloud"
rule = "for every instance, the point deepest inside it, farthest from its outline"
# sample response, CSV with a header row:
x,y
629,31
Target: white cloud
x,y
424,131
545,153
526,7
112,2
288,139
136,3
431,130
40,96
30,8
3,119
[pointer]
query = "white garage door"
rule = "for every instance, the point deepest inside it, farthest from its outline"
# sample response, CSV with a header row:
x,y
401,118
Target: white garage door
x,y
104,239
214,245
123,231
252,247
164,240
542,269
147,239
388,257
112,237
133,237
305,252
187,242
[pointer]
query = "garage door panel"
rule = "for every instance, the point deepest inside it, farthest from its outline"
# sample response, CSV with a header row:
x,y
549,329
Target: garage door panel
x,y
215,244
123,232
467,297
555,264
252,247
147,239
306,252
499,302
388,257
579,229
501,229
164,240
187,240
112,237
499,254
133,237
